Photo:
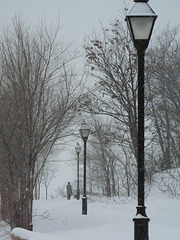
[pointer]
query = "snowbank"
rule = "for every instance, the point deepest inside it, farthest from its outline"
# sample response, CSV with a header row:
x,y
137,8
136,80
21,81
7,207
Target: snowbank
x,y
23,234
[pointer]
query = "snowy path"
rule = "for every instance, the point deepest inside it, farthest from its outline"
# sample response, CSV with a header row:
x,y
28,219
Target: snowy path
x,y
62,219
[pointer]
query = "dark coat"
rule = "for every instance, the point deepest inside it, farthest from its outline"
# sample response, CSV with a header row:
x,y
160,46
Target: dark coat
x,y
69,189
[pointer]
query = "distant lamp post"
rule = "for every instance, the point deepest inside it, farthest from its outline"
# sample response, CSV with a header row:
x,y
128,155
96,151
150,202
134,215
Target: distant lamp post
x,y
78,150
140,22
84,132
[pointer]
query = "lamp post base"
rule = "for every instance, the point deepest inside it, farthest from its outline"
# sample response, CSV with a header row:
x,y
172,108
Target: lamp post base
x,y
84,205
141,227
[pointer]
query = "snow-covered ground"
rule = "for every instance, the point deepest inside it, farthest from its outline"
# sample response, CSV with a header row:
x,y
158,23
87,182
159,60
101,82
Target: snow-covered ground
x,y
106,219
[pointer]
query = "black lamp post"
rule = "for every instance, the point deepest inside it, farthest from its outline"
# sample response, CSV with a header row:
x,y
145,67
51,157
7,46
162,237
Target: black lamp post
x,y
78,150
140,22
84,132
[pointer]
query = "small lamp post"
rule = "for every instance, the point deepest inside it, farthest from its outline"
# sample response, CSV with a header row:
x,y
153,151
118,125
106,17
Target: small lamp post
x,y
78,150
84,132
140,22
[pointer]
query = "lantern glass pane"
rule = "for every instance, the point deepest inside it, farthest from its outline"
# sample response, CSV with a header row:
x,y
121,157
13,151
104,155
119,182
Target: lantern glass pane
x,y
78,148
141,27
85,133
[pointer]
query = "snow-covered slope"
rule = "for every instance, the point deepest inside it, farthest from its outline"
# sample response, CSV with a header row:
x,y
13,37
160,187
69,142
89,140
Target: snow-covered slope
x,y
62,219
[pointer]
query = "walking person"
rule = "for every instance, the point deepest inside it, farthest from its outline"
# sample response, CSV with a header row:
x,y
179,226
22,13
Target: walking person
x,y
69,190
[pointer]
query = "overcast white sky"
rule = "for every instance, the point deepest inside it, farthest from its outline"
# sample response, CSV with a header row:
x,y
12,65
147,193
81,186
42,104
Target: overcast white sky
x,y
80,17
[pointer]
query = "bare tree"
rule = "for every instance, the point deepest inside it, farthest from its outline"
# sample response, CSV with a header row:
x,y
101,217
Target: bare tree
x,y
111,170
164,92
48,175
112,60
164,106
39,94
